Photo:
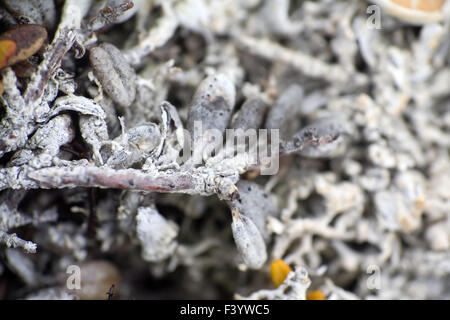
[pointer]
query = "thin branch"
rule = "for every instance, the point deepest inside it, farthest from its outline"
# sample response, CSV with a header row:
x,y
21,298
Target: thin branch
x,y
109,14
72,14
12,240
100,177
157,36
308,65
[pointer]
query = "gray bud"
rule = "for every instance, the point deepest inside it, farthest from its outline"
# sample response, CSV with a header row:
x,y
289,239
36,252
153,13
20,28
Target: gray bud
x,y
213,103
249,241
255,204
251,115
283,115
114,73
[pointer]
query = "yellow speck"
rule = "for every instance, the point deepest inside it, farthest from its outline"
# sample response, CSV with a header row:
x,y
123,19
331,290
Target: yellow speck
x,y
279,271
315,295
420,203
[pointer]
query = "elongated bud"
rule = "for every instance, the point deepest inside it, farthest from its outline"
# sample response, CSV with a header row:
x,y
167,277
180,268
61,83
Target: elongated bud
x,y
283,115
249,241
212,104
251,115
114,73
255,204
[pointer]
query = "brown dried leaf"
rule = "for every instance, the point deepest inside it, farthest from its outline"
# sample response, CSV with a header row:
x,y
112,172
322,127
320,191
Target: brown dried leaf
x,y
28,39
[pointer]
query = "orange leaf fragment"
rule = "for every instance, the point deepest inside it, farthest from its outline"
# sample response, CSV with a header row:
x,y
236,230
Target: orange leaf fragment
x,y
315,295
279,271
414,11
28,39
422,5
7,49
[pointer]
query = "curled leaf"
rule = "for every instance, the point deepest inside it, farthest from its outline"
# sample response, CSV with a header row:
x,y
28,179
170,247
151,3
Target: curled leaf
x,y
78,104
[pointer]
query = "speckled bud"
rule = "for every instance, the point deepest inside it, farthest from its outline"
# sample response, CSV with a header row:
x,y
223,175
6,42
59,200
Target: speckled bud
x,y
213,103
114,73
249,241
255,204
